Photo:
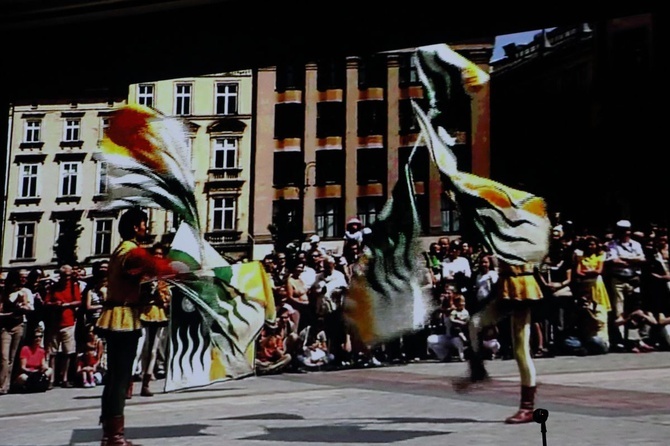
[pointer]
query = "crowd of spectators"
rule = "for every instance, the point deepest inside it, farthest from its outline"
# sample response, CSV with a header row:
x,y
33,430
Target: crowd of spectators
x,y
606,292
47,329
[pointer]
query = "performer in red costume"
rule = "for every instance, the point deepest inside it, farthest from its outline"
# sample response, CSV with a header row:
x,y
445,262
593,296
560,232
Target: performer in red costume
x,y
120,321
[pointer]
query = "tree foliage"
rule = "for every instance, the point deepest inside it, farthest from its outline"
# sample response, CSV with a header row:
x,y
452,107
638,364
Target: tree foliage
x,y
66,245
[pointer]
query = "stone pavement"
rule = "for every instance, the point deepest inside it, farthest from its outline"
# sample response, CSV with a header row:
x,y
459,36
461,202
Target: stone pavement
x,y
616,399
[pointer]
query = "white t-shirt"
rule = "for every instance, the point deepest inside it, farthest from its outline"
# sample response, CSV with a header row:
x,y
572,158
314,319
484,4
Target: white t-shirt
x,y
484,283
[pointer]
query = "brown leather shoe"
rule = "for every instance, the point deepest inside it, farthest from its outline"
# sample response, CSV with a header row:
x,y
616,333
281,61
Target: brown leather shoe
x,y
521,416
114,432
129,391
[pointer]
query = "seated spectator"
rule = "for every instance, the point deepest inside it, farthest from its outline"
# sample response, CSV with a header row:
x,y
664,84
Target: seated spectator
x,y
89,360
490,343
637,322
586,330
454,336
34,374
271,356
315,352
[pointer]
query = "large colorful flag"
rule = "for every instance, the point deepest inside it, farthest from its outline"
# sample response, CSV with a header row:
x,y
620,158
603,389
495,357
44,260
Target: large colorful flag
x,y
216,315
149,163
513,223
217,309
389,290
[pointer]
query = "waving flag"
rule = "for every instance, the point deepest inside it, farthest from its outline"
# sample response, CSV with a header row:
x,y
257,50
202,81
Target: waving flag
x,y
149,163
217,309
387,293
216,315
513,223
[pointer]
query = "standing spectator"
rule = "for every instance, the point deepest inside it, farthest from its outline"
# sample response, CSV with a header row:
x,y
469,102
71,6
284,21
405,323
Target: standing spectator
x,y
34,374
154,320
281,271
444,243
456,269
63,299
17,300
485,280
308,275
296,296
624,260
434,263
119,322
95,294
353,232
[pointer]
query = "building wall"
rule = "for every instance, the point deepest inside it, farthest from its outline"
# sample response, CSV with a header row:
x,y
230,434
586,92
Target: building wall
x,y
475,144
204,127
46,206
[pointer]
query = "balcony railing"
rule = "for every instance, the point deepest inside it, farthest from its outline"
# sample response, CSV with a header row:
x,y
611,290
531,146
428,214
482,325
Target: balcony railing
x,y
223,237
224,174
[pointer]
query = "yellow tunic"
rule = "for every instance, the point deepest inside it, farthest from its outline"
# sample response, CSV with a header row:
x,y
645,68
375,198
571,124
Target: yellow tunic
x,y
119,312
518,282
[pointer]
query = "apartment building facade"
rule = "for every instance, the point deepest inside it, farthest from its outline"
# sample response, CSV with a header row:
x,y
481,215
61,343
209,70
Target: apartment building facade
x,y
56,173
332,135
217,111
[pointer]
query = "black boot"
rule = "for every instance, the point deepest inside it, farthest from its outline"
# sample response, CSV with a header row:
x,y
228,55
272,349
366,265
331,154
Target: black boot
x,y
114,432
477,374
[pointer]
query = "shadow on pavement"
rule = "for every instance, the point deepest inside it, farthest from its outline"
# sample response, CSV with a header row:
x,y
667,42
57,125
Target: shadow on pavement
x,y
172,431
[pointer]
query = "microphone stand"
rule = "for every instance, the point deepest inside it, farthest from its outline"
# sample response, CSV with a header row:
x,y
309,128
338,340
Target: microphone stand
x,y
540,416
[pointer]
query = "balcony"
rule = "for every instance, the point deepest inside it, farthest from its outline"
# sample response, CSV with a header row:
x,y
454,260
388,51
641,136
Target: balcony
x,y
224,178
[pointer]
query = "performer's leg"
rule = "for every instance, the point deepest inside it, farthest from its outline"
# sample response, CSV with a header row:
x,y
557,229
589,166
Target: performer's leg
x,y
149,359
488,316
521,323
121,348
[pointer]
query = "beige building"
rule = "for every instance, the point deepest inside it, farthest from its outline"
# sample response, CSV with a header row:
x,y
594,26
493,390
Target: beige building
x,y
331,135
56,170
217,111
55,173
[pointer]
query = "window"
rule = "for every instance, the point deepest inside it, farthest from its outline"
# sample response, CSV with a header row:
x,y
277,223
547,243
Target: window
x,y
28,176
32,130
328,213
370,166
451,218
182,105
226,99
145,95
69,179
289,120
331,74
368,209
102,179
25,240
408,122
225,153
372,72
103,236
290,77
72,127
329,167
288,169
104,125
223,213
371,118
408,71
285,213
420,162
330,119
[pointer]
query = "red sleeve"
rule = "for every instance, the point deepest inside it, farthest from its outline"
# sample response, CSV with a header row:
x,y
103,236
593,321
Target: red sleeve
x,y
140,262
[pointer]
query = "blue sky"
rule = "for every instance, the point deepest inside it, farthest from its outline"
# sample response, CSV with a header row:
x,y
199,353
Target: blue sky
x,y
520,38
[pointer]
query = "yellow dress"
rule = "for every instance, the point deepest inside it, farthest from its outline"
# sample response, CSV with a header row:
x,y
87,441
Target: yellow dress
x,y
155,313
517,282
598,289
